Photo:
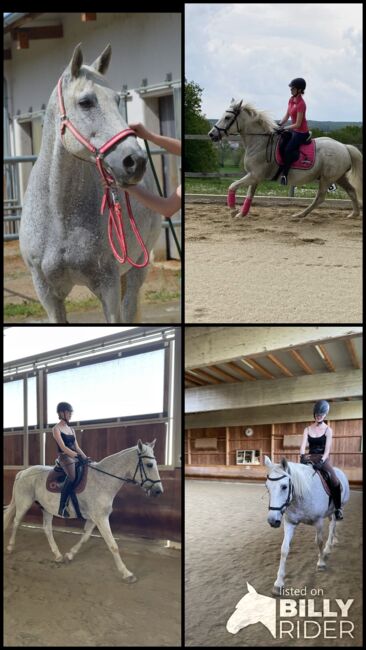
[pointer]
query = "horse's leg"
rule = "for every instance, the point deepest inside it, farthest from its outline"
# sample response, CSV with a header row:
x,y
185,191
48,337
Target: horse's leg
x,y
88,529
109,295
47,527
320,197
131,284
247,201
104,527
319,539
21,509
53,304
247,181
288,534
344,182
331,534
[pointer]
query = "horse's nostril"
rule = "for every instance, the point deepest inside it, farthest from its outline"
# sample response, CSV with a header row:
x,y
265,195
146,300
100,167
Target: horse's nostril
x,y
128,161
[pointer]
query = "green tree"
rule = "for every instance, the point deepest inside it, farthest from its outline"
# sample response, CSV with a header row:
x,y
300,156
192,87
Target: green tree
x,y
199,155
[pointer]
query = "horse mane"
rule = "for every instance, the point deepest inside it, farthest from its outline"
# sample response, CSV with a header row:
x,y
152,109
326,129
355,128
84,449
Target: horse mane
x,y
262,118
302,480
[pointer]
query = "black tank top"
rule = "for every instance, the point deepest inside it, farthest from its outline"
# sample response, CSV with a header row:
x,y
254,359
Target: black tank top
x,y
317,445
69,441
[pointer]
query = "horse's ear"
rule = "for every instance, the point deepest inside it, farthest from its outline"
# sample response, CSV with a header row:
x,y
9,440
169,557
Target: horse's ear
x,y
152,444
251,589
237,105
76,61
268,462
284,464
140,444
101,64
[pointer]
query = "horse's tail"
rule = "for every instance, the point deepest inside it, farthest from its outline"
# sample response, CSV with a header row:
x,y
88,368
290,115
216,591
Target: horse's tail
x,y
9,511
355,173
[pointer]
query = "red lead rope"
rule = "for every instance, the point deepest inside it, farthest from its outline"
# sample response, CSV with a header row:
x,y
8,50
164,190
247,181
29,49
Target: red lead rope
x,y
115,219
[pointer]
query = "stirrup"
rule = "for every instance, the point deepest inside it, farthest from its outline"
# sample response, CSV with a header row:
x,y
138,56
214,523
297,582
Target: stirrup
x,y
64,512
283,180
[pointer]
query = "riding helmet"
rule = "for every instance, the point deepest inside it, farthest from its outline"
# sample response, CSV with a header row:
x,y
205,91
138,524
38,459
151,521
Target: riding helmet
x,y
321,408
299,83
63,406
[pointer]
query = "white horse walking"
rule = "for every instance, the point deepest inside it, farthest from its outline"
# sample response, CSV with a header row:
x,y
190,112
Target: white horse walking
x,y
137,465
335,161
296,492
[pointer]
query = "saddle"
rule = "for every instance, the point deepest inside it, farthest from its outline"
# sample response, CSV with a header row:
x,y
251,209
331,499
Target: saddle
x,y
56,478
306,157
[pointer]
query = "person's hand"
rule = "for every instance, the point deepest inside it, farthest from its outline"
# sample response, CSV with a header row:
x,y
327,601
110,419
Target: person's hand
x,y
140,130
303,459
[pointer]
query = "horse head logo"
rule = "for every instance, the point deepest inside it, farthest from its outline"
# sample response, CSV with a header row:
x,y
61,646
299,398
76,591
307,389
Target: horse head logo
x,y
253,608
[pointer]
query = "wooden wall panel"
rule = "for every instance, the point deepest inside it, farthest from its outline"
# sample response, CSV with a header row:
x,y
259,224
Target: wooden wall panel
x,y
13,450
346,449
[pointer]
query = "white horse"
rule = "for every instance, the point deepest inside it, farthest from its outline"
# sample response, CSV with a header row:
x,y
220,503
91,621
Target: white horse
x,y
87,158
335,162
296,491
253,608
137,465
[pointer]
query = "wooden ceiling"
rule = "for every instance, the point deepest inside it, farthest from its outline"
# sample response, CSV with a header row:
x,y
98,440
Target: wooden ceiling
x,y
303,360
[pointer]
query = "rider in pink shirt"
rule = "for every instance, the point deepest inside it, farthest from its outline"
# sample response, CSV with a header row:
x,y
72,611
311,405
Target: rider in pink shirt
x,y
299,129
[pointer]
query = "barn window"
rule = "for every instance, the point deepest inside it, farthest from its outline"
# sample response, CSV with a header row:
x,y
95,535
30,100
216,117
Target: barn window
x,y
248,456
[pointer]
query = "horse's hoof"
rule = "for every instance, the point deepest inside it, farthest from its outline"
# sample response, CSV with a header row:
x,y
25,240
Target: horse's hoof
x,y
68,557
59,559
130,579
9,549
276,591
321,567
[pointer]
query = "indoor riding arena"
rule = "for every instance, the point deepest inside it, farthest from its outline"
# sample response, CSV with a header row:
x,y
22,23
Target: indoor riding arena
x,y
250,393
267,267
123,387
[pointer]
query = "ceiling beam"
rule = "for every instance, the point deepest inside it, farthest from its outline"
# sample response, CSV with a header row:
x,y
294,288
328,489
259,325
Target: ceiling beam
x,y
272,415
206,346
341,384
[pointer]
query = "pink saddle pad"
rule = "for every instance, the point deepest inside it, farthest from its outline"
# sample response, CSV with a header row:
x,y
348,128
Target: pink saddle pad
x,y
306,159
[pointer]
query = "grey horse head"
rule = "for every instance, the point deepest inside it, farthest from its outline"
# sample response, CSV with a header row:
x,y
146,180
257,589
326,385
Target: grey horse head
x,y
92,107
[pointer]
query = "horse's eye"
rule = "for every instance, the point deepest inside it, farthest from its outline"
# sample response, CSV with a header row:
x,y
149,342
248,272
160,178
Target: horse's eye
x,y
149,465
85,103
284,487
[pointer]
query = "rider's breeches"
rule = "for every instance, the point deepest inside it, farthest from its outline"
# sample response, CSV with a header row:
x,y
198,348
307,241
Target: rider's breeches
x,y
327,468
68,465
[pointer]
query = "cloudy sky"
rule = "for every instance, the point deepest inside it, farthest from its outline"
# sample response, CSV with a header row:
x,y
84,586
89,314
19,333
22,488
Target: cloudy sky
x,y
252,51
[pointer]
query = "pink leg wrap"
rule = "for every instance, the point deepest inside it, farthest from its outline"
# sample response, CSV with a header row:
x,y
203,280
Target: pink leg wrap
x,y
231,199
246,206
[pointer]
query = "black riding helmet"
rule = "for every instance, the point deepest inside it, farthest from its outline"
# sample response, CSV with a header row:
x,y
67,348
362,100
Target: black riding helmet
x,y
321,408
62,407
299,83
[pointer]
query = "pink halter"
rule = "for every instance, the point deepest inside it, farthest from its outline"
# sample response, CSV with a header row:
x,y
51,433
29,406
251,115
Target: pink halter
x,y
115,220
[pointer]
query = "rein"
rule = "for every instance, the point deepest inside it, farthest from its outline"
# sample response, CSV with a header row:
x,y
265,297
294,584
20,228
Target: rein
x,y
115,219
140,466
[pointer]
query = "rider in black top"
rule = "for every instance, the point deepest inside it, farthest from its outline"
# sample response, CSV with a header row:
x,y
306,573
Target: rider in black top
x,y
319,449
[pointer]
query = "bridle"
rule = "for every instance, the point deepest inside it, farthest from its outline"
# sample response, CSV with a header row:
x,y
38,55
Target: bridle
x,y
235,119
271,136
139,468
290,492
115,220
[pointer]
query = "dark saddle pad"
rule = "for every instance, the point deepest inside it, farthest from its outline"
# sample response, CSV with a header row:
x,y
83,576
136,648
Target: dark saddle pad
x,y
56,478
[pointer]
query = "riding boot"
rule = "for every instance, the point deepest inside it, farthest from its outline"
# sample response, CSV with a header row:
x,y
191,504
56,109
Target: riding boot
x,y
65,493
336,494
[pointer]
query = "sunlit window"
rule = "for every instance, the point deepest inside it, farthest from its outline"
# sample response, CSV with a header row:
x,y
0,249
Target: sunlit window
x,y
129,386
